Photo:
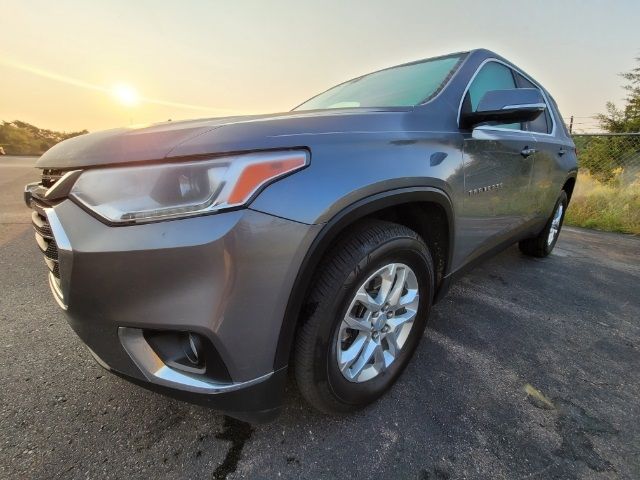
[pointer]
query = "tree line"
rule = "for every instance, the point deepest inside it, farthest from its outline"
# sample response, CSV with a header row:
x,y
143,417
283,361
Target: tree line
x,y
22,138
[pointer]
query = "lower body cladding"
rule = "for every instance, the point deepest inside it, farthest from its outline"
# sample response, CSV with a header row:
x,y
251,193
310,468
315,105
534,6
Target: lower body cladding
x,y
192,308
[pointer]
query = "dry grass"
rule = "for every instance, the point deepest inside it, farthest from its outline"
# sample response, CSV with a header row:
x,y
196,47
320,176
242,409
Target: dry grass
x,y
612,207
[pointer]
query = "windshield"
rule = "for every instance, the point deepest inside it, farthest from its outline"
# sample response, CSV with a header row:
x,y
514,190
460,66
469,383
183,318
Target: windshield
x,y
403,86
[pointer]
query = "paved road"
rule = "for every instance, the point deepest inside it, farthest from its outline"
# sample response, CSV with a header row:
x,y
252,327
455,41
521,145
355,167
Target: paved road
x,y
529,369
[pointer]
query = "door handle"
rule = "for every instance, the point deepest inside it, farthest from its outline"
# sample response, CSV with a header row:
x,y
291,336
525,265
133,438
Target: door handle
x,y
526,151
562,151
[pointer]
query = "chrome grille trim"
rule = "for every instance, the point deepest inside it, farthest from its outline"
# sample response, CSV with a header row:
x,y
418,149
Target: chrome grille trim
x,y
59,277
49,250
44,237
57,291
50,237
39,221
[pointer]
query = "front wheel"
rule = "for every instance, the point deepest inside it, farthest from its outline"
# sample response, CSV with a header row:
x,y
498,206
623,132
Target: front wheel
x,y
368,307
542,245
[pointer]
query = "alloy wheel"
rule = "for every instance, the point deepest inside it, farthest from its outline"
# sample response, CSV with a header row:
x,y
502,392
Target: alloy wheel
x,y
554,230
377,323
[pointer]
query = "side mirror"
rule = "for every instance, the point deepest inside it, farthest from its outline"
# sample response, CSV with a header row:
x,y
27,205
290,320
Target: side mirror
x,y
506,106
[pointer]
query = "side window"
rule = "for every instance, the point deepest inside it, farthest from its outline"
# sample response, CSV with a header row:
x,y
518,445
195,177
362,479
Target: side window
x,y
543,123
492,76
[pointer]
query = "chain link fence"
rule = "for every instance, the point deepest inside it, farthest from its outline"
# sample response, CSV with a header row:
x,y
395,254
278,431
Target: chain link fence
x,y
610,157
607,194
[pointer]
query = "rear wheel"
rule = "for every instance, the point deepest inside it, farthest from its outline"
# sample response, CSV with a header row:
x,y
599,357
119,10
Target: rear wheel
x,y
543,244
368,307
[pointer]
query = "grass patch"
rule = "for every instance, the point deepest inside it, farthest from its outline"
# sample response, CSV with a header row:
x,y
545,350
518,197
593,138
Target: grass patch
x,y
613,206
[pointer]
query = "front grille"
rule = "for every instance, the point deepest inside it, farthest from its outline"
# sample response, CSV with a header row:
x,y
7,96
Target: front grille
x,y
51,176
44,237
43,233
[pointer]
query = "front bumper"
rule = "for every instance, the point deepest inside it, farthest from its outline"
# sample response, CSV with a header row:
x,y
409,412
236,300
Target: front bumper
x,y
226,277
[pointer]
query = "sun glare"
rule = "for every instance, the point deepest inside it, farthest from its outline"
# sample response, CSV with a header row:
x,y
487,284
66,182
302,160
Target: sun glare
x,y
125,94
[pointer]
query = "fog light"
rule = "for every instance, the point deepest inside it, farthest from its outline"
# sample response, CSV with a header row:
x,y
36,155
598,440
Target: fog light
x,y
180,350
188,352
192,348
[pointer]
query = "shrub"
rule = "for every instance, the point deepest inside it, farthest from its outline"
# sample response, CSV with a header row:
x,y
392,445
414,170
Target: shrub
x,y
611,206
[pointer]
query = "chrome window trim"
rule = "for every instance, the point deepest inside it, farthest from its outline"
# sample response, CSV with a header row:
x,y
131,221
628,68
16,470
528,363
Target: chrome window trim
x,y
528,105
489,128
515,69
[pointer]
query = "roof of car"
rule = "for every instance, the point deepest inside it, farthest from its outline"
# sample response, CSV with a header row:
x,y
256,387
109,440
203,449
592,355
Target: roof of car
x,y
476,51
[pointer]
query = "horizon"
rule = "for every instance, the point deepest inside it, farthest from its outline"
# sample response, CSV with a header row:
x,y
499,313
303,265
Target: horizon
x,y
95,68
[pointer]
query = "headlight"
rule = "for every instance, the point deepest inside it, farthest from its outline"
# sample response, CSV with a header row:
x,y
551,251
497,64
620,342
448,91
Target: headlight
x,y
155,192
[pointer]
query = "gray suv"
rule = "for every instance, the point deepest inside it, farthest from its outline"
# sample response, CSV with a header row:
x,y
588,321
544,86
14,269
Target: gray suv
x,y
204,258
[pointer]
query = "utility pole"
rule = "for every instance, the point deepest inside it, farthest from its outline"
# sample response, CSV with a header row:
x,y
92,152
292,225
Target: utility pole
x,y
571,124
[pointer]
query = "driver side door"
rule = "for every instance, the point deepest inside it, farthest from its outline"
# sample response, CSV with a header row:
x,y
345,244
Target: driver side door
x,y
498,164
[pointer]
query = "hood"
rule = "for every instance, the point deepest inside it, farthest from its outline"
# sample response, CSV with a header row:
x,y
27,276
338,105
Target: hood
x,y
210,136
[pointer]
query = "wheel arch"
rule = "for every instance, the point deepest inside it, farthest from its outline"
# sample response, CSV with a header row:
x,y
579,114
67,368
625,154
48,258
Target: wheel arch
x,y
369,207
568,186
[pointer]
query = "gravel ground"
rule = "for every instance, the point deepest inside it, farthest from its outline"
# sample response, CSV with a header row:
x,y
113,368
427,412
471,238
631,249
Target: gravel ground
x,y
529,369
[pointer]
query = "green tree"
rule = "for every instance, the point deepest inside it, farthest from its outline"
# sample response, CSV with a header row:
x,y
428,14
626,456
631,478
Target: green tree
x,y
626,119
605,156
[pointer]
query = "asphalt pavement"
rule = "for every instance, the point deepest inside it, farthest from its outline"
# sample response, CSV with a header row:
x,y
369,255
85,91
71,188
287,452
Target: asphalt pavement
x,y
529,368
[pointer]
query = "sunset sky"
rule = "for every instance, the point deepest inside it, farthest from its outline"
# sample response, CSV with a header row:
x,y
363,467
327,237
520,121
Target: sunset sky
x,y
69,65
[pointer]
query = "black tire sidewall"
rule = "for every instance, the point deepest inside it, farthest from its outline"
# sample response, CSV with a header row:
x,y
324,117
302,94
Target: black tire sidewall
x,y
412,253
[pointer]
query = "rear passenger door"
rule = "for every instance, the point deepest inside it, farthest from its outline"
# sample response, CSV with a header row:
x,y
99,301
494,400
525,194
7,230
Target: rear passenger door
x,y
497,170
546,176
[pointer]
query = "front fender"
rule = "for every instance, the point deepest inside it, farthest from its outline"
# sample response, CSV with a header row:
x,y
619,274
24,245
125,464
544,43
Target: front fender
x,y
328,234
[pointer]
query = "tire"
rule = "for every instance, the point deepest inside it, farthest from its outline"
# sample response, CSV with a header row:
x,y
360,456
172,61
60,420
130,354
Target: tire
x,y
543,244
371,248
